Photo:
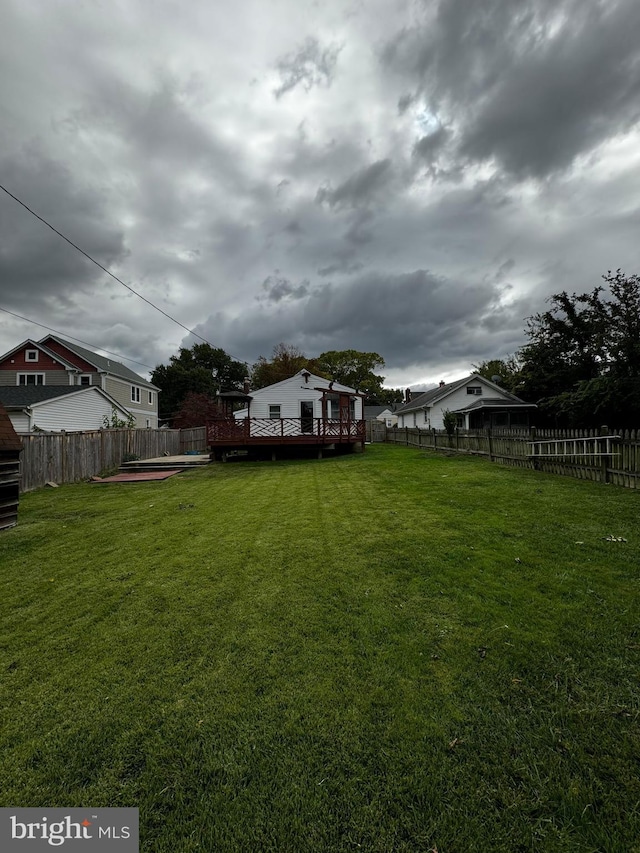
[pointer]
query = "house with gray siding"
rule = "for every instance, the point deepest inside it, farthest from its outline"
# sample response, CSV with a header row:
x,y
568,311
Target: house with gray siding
x,y
53,361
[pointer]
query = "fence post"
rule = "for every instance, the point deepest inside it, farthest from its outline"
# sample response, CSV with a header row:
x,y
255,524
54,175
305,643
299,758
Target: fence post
x,y
435,439
490,444
457,438
604,472
406,436
533,432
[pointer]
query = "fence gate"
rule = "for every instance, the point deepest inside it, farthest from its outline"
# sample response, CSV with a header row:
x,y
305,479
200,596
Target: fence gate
x,y
376,431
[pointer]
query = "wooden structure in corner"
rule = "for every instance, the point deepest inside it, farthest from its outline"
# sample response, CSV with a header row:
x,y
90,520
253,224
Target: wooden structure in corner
x,y
10,449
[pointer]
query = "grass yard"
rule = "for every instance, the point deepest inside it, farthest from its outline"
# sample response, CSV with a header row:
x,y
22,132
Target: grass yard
x,y
391,653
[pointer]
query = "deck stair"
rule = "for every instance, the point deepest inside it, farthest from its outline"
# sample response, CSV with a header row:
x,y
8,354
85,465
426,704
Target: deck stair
x,y
167,463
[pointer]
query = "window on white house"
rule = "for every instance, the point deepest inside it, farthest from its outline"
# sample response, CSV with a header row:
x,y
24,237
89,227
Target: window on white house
x,y
274,410
474,389
460,421
150,398
31,355
135,394
30,379
85,379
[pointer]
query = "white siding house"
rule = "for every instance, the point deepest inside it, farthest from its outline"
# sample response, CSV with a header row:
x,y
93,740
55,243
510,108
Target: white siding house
x,y
477,403
302,410
303,397
58,409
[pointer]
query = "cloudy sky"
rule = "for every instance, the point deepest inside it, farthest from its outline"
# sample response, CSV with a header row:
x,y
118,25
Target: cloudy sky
x,y
413,178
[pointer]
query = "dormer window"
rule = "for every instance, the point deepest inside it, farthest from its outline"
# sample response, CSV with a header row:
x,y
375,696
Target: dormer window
x,y
31,355
476,390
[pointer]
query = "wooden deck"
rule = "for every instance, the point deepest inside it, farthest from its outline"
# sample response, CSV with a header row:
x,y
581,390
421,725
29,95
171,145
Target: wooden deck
x,y
247,432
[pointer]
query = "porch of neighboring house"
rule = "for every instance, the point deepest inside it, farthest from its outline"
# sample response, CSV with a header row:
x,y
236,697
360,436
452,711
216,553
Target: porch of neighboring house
x,y
496,416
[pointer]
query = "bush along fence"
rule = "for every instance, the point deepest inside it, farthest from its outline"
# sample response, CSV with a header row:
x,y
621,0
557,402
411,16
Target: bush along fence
x,y
604,455
70,457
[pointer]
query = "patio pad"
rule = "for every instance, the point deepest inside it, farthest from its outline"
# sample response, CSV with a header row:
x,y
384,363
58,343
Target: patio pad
x,y
139,477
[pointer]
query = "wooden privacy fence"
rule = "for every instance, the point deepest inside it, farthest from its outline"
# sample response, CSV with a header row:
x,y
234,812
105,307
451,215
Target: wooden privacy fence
x,y
69,457
193,439
604,455
376,431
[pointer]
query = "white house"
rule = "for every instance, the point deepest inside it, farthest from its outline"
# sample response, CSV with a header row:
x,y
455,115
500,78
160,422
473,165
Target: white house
x,y
58,408
304,409
477,403
305,396
385,414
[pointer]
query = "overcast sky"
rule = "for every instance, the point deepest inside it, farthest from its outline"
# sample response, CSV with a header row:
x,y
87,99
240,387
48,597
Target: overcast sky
x,y
413,178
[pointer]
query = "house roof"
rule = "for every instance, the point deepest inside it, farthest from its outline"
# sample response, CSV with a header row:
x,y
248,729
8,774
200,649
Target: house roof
x,y
101,362
495,403
9,440
19,396
311,384
372,412
435,394
31,344
24,396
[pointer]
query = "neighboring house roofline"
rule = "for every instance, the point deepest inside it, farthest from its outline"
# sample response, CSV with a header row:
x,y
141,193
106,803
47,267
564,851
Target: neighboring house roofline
x,y
102,363
435,395
31,344
495,404
47,393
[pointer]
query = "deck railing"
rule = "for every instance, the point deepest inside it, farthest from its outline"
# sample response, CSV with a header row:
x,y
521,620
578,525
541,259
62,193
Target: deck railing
x,y
287,430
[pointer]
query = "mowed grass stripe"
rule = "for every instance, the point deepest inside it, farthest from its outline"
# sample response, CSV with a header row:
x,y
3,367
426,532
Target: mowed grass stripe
x,y
393,651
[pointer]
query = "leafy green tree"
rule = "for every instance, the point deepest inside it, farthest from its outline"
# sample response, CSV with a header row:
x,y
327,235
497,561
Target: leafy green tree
x,y
582,362
507,369
286,361
349,367
450,421
192,371
387,396
355,369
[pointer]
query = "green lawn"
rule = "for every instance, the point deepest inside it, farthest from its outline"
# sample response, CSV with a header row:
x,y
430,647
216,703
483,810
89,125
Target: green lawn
x,y
383,652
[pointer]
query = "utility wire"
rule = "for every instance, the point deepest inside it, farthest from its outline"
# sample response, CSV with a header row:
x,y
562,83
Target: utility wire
x,y
108,272
80,341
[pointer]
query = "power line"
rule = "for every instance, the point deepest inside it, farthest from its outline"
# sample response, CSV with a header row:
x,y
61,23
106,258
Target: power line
x,y
108,272
80,341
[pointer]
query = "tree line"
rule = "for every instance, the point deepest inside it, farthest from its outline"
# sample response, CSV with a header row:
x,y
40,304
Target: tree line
x,y
580,365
